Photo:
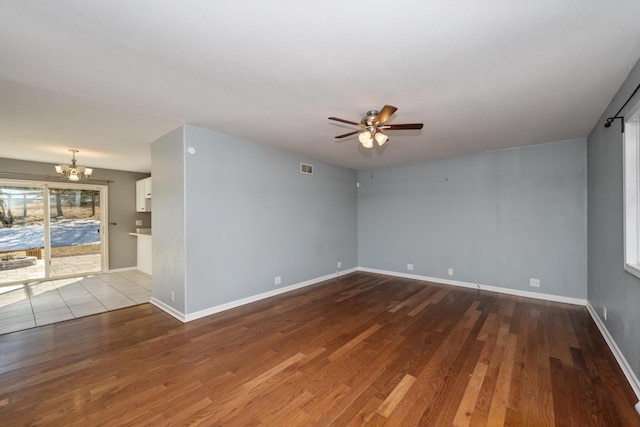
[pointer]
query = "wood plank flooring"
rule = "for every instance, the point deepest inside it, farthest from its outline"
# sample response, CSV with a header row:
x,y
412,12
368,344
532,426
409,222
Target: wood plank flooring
x,y
363,349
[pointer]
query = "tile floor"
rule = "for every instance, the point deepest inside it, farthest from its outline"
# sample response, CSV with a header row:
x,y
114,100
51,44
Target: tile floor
x,y
45,302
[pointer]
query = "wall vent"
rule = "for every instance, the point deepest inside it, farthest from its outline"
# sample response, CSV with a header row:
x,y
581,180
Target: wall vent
x,y
306,168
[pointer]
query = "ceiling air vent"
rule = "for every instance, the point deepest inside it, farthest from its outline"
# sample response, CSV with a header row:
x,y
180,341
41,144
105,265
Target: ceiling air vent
x,y
305,168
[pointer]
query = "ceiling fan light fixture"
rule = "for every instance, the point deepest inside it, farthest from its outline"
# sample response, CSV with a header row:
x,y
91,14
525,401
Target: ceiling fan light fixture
x,y
381,138
366,139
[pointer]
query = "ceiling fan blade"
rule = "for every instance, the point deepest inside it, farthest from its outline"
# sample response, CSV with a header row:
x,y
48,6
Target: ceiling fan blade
x,y
346,121
403,127
384,114
347,134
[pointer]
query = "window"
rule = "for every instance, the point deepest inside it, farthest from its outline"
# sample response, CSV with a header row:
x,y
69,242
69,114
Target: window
x,y
631,189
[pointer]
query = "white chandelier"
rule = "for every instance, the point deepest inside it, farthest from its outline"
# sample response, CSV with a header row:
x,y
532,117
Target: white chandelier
x,y
73,172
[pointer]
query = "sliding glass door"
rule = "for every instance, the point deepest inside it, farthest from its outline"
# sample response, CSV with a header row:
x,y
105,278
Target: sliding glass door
x,y
75,230
51,230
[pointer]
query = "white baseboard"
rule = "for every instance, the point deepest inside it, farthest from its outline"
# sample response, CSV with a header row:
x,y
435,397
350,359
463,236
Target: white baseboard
x,y
624,365
120,270
168,309
536,295
237,303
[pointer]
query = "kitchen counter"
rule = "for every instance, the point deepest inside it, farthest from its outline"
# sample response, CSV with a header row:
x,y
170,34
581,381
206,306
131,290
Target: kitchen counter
x,y
144,250
142,232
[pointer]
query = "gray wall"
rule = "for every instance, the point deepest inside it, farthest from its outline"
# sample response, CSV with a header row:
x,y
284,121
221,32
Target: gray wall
x,y
121,204
496,218
168,244
251,216
609,284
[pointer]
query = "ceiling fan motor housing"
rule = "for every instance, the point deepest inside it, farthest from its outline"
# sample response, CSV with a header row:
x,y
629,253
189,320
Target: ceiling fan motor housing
x,y
368,119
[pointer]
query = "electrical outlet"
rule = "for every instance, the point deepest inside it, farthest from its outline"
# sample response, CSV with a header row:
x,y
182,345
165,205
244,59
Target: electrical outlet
x,y
604,312
451,272
410,267
138,222
339,264
534,282
172,296
277,280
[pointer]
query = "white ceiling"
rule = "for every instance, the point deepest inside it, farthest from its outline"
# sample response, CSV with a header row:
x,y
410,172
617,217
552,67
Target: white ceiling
x,y
108,77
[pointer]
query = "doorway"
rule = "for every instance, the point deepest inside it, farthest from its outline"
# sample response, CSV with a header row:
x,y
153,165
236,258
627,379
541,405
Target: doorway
x,y
51,230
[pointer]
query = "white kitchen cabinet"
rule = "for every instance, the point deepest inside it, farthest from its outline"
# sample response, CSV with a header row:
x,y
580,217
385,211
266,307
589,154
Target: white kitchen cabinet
x,y
147,188
143,195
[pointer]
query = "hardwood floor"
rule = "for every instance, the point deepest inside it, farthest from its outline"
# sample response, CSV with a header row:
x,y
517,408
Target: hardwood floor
x,y
362,349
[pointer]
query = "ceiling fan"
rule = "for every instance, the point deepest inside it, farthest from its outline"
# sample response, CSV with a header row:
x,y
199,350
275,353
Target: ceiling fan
x,y
372,125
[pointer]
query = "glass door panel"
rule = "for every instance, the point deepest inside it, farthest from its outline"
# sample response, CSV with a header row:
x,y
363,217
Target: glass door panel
x,y
76,241
22,228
